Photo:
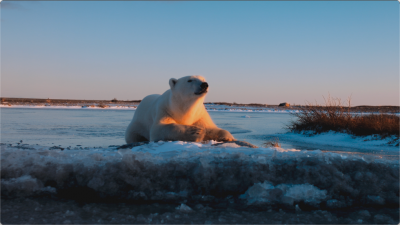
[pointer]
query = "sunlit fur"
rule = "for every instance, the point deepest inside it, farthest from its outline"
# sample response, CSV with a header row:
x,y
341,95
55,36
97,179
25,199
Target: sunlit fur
x,y
178,114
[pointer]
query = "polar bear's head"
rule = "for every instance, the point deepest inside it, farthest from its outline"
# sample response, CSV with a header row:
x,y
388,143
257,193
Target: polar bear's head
x,y
189,87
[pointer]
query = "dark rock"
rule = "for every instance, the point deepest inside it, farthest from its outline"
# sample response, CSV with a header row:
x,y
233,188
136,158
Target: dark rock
x,y
56,147
285,104
131,145
240,143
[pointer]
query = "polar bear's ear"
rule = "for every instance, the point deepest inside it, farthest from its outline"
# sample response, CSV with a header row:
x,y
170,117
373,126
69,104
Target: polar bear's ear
x,y
172,82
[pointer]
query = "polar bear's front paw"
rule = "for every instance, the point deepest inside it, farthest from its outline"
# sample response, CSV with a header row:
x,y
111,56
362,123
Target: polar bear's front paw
x,y
195,133
224,135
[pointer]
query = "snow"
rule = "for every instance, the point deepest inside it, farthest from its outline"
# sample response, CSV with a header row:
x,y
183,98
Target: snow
x,y
209,107
371,144
83,107
26,170
175,179
266,192
184,208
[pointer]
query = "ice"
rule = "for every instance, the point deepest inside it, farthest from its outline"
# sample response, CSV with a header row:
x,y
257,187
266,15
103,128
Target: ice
x,y
24,186
364,213
376,199
56,212
286,193
219,184
184,208
383,219
334,204
209,107
306,192
345,141
157,170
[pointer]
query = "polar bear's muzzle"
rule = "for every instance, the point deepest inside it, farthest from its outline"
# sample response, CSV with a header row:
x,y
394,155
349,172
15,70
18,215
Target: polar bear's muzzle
x,y
203,88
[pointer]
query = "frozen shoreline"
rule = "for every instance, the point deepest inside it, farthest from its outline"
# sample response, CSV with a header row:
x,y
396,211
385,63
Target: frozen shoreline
x,y
183,182
369,144
224,108
209,107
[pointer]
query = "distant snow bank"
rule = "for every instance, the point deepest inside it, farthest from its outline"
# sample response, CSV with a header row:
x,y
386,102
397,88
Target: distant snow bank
x,y
209,107
67,107
173,171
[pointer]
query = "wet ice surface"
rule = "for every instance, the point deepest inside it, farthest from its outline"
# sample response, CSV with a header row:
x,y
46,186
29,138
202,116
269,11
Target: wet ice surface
x,y
178,182
65,127
105,127
102,128
70,127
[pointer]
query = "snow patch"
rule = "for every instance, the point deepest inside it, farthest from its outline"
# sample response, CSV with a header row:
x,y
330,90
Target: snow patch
x,y
368,143
265,192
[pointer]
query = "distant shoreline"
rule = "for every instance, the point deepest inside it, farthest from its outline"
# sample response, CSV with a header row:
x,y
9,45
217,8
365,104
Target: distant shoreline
x,y
114,103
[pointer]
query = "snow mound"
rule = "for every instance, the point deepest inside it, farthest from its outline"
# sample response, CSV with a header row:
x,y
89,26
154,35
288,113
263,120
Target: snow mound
x,y
177,172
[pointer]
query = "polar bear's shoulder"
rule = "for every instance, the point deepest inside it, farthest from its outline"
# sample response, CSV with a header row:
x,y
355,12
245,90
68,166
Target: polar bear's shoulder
x,y
154,103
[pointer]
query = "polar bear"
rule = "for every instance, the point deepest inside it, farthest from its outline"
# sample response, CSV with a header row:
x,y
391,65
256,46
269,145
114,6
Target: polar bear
x,y
178,114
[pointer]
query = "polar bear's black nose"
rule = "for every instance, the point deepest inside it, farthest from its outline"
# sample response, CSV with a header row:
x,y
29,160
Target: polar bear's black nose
x,y
204,85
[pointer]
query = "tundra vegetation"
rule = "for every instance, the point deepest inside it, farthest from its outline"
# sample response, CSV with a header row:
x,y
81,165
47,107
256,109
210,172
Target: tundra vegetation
x,y
273,142
336,117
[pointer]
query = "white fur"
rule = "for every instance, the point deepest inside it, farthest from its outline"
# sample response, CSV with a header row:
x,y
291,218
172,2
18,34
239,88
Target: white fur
x,y
178,114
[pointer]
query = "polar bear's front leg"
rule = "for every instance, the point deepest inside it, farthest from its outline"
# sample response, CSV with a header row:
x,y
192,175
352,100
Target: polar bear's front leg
x,y
218,134
176,132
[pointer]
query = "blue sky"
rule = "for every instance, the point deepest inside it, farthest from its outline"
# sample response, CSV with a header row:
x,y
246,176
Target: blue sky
x,y
249,52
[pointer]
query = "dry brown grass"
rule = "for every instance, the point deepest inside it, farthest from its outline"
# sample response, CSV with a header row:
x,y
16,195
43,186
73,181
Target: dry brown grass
x,y
103,106
336,117
273,142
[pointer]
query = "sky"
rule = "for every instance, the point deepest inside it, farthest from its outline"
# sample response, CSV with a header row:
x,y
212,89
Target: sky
x,y
249,52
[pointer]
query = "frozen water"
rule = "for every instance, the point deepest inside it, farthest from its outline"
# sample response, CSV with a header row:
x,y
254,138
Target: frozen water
x,y
105,127
180,182
77,128
184,208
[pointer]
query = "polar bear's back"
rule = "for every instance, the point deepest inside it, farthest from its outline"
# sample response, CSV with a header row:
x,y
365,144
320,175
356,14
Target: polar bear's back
x,y
143,118
145,110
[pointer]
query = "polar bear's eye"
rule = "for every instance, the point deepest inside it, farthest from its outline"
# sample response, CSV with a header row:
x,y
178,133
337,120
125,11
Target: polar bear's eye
x,y
189,80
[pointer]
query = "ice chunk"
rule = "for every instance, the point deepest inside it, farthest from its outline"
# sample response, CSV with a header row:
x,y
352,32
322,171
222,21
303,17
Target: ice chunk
x,y
24,185
376,199
69,213
306,192
334,204
230,145
258,193
286,193
95,183
382,218
364,213
184,208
